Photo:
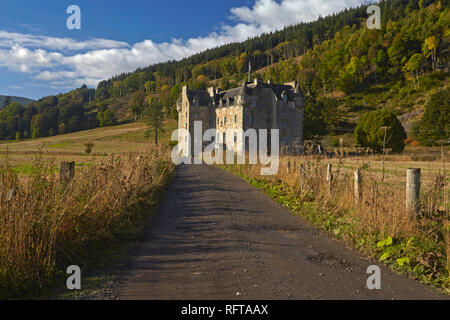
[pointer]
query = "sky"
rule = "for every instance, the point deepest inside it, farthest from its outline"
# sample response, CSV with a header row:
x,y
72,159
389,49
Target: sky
x,y
40,56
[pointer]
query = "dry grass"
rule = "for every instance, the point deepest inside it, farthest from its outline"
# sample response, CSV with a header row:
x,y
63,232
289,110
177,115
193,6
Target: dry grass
x,y
46,225
107,141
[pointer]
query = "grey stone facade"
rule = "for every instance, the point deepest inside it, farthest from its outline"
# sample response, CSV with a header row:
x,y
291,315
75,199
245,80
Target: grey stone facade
x,y
254,105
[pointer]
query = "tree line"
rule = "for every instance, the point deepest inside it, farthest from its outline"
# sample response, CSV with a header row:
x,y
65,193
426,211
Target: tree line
x,y
338,52
64,113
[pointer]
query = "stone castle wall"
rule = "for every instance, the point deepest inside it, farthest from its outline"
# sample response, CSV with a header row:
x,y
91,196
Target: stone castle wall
x,y
254,105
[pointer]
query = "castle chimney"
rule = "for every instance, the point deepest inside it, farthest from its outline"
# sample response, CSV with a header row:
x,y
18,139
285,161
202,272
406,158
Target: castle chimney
x,y
185,90
212,91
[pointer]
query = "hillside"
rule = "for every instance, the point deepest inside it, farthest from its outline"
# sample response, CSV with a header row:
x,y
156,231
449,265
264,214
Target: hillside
x,y
344,69
21,100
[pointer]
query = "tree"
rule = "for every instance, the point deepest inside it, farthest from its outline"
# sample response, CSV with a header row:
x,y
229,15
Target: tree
x,y
88,147
429,48
38,126
109,119
153,115
434,127
370,132
106,118
413,65
6,102
137,104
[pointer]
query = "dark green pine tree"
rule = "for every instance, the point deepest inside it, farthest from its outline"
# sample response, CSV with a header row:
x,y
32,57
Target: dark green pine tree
x,y
154,115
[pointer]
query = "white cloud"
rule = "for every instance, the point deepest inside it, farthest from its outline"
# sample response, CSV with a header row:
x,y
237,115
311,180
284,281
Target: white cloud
x,y
9,39
67,61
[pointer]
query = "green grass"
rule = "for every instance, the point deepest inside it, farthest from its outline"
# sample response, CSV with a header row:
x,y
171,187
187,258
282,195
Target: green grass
x,y
60,145
28,169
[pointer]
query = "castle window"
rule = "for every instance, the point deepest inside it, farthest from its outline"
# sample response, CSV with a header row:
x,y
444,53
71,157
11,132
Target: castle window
x,y
235,119
225,121
284,96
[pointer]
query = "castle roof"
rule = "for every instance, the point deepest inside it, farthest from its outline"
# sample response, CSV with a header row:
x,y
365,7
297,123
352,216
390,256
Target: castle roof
x,y
202,97
239,91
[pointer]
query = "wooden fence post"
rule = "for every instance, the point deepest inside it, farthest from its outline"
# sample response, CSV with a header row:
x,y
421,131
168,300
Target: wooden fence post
x,y
358,187
329,177
413,190
302,177
66,171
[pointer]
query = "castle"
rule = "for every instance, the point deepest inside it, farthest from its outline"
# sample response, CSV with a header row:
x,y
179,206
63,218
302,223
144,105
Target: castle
x,y
256,105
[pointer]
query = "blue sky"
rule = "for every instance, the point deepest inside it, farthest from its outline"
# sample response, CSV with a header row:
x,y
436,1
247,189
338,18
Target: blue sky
x,y
40,56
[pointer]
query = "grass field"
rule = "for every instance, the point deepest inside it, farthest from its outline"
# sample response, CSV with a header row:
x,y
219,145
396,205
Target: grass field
x,y
394,167
70,147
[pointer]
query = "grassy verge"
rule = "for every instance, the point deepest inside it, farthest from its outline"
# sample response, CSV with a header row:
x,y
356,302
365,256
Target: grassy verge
x,y
417,247
46,225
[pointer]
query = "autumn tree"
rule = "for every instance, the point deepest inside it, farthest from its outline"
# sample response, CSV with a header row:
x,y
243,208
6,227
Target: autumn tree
x,y
413,65
429,49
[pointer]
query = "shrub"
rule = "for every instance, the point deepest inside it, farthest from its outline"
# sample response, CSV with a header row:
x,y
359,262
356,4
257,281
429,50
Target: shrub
x,y
434,128
89,146
370,133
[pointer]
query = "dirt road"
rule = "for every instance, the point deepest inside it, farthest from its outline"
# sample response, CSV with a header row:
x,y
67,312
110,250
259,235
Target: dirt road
x,y
216,237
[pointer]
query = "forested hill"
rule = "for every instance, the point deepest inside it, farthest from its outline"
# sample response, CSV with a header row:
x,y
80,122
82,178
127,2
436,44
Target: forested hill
x,y
343,67
4,100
